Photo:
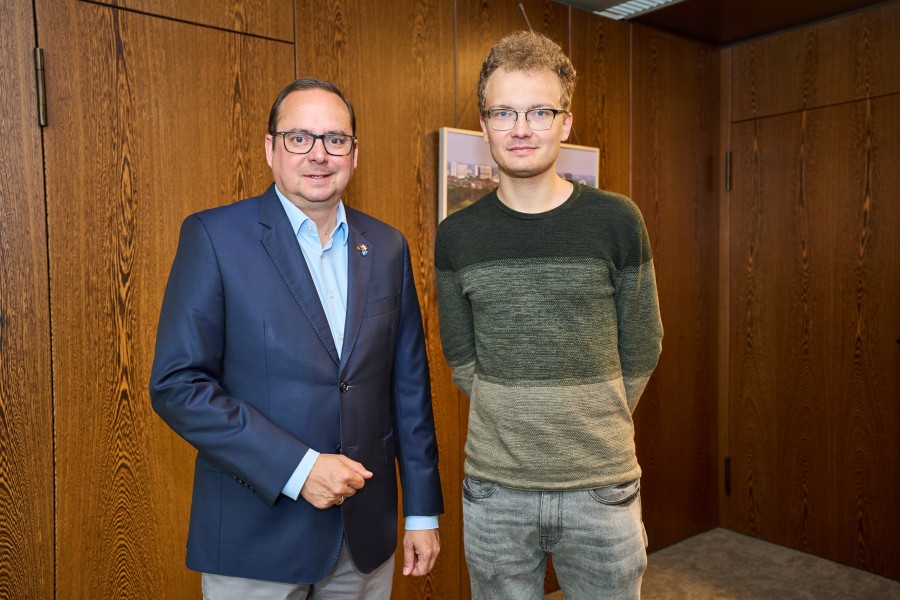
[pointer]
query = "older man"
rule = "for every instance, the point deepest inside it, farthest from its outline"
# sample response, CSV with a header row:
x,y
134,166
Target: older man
x,y
291,354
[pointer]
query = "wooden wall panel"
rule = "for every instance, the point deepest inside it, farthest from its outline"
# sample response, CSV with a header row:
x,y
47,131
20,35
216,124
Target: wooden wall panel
x,y
395,62
265,18
26,432
601,107
837,61
723,406
815,267
139,137
675,139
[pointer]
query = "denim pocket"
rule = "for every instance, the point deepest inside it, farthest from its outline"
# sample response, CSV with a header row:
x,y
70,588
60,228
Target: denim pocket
x,y
615,495
475,489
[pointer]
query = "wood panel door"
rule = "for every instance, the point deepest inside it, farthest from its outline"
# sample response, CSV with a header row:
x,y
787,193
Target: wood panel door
x,y
815,332
26,421
150,119
674,124
834,61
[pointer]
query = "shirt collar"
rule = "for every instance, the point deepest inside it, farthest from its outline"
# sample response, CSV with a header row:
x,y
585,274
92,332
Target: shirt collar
x,y
298,218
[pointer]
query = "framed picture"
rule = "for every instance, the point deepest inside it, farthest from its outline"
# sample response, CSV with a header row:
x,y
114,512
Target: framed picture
x,y
468,171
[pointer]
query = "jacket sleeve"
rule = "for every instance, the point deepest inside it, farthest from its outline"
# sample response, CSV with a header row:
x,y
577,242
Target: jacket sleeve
x,y
417,451
186,387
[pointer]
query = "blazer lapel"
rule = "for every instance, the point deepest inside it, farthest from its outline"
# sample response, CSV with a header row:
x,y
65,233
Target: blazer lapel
x,y
281,243
360,255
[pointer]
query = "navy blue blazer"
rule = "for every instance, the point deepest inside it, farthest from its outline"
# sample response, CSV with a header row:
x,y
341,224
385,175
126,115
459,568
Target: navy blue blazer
x,y
247,372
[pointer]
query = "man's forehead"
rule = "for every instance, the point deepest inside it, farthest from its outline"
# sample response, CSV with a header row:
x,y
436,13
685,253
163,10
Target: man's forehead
x,y
316,107
500,80
542,74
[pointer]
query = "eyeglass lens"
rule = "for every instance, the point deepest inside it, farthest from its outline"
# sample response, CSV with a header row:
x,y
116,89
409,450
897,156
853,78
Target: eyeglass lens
x,y
302,142
538,119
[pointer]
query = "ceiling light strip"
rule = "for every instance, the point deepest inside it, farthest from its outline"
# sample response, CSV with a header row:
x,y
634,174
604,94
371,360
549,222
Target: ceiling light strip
x,y
633,8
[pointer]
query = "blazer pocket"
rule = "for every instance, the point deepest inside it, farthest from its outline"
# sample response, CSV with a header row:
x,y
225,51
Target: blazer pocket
x,y
382,305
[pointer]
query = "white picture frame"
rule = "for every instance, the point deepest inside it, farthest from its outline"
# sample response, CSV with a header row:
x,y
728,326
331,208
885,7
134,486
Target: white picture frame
x,y
468,172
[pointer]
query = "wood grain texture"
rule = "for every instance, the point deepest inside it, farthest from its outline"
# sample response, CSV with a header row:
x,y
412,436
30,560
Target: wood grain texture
x,y
26,431
264,18
815,266
139,138
395,62
843,60
674,154
602,103
723,406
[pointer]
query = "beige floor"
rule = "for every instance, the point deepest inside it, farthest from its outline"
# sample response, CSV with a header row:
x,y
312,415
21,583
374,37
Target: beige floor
x,y
724,565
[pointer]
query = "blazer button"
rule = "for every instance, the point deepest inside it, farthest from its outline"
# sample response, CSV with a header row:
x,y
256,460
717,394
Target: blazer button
x,y
344,387
337,449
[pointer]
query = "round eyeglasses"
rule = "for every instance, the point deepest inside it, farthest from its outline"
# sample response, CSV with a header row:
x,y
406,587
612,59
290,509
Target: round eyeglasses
x,y
539,119
302,142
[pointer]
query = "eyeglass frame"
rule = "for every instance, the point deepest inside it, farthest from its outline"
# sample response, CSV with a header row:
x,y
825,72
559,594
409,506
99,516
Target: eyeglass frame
x,y
315,138
556,111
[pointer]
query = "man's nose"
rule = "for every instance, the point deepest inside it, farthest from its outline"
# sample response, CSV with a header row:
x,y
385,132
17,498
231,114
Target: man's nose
x,y
521,128
317,152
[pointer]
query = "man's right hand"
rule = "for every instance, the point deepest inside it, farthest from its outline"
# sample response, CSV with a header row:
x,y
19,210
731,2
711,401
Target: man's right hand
x,y
333,478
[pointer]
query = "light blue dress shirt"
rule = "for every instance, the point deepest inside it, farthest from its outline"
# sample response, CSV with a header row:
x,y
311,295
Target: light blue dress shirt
x,y
328,268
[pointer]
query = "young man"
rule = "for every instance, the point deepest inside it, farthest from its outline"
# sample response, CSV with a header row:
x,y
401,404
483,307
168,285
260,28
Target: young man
x,y
291,354
550,320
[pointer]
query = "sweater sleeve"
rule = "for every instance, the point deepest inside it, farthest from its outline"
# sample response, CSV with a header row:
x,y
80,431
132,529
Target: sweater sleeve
x,y
638,317
455,318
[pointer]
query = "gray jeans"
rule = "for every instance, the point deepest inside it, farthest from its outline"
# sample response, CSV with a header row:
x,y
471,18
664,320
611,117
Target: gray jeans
x,y
596,537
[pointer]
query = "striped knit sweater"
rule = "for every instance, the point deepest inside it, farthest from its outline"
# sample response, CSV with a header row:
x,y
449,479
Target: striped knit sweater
x,y
551,325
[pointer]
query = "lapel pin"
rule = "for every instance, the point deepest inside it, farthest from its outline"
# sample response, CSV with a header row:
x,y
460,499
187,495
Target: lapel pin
x,y
362,249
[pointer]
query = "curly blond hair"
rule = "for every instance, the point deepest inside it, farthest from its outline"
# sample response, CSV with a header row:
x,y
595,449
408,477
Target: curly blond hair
x,y
528,51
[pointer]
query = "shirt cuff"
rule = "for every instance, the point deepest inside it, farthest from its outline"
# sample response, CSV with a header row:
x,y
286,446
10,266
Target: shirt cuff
x,y
417,523
293,486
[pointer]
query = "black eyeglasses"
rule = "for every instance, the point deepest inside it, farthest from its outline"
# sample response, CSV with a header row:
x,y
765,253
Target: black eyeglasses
x,y
302,142
539,119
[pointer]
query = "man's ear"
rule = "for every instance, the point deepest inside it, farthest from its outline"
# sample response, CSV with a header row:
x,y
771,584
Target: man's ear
x,y
567,127
270,148
484,128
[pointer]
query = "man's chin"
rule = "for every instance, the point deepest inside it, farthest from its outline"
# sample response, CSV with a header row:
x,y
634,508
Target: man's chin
x,y
311,198
525,171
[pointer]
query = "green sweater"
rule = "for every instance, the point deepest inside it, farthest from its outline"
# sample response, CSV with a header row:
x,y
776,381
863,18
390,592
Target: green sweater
x,y
551,324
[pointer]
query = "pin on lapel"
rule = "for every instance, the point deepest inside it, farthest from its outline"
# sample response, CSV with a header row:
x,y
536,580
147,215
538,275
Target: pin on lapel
x,y
362,249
